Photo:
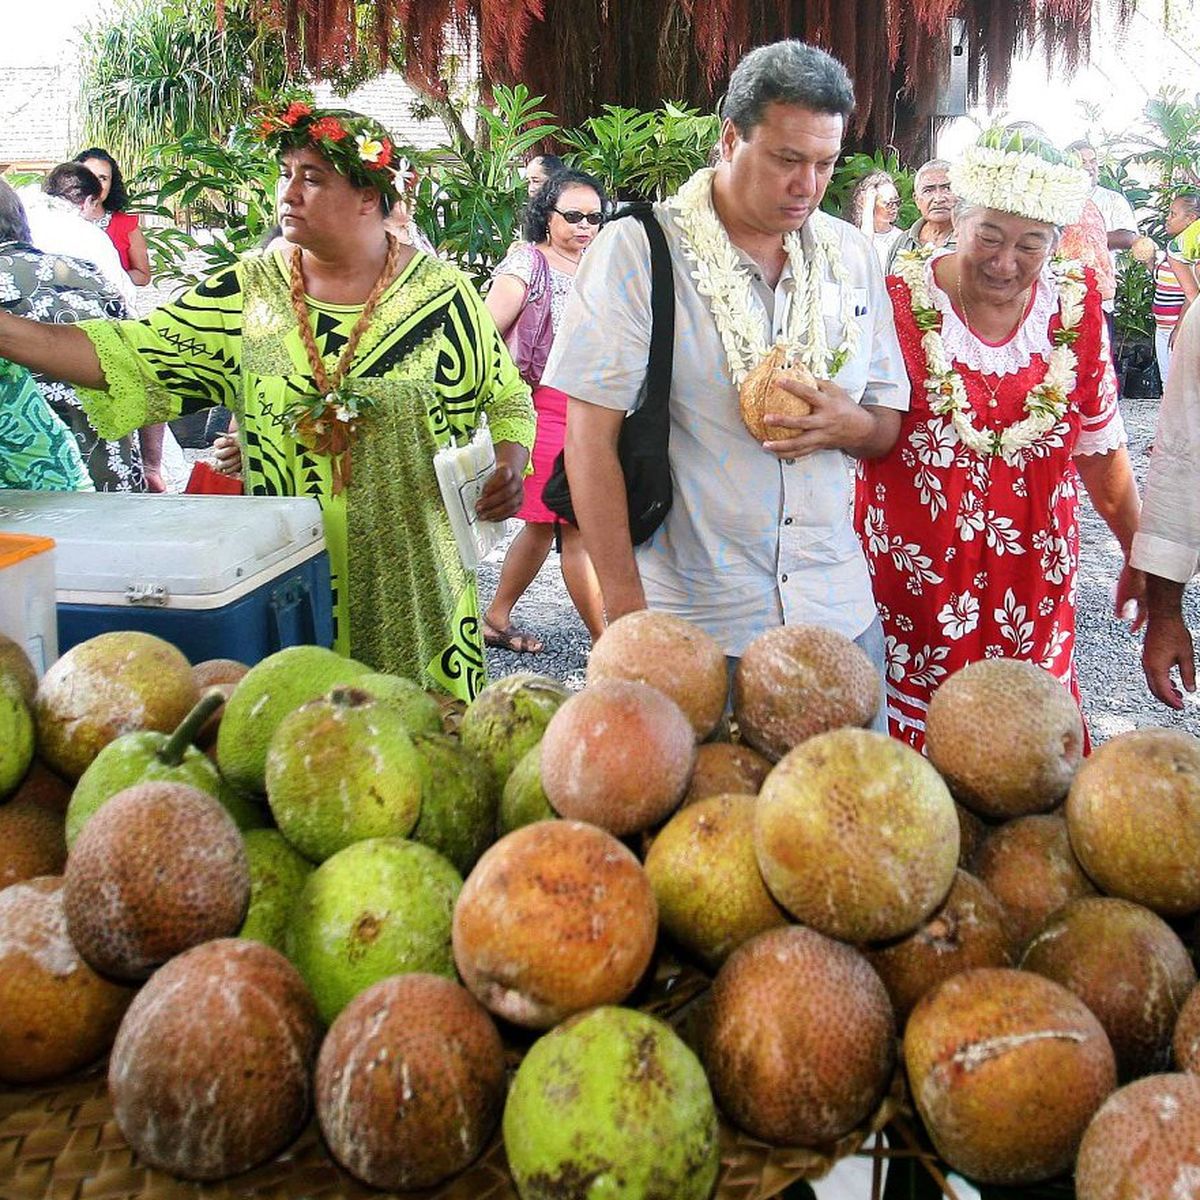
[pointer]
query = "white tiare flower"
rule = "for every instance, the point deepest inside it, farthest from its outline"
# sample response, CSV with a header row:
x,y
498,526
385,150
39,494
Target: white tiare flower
x,y
959,616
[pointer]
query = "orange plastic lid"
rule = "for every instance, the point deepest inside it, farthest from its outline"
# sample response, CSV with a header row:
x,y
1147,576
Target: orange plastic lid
x,y
16,546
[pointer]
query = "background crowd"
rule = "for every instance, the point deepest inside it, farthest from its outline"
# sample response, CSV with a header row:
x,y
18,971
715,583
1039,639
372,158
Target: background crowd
x,y
975,393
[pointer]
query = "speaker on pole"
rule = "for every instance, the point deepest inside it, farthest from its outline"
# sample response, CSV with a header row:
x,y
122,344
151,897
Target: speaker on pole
x,y
951,97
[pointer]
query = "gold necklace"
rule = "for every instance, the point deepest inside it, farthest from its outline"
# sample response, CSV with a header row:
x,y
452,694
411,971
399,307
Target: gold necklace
x,y
992,392
327,422
564,257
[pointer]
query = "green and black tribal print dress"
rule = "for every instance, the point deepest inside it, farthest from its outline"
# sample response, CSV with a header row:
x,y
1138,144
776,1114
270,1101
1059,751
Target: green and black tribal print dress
x,y
432,361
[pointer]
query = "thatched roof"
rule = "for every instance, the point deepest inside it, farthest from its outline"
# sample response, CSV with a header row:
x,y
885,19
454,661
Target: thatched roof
x,y
584,53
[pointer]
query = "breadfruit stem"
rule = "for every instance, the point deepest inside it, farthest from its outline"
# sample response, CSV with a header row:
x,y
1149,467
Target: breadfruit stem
x,y
171,755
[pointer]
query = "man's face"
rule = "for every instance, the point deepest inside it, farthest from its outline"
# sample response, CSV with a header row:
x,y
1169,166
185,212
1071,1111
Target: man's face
x,y
1090,163
935,200
316,202
780,168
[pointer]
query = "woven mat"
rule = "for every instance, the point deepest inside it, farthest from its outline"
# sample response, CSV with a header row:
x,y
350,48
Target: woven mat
x,y
62,1143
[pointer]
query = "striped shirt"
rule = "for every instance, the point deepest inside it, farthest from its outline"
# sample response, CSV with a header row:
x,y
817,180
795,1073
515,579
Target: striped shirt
x,y
1168,295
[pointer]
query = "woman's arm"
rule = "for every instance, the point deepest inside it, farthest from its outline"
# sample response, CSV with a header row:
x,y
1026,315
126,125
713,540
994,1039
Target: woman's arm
x,y
60,352
1109,481
139,257
505,299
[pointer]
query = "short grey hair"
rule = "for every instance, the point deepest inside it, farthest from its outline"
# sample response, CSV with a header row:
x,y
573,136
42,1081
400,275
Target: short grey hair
x,y
14,225
788,72
934,164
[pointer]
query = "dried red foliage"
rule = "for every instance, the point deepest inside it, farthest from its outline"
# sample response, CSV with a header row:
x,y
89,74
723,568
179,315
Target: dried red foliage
x,y
584,53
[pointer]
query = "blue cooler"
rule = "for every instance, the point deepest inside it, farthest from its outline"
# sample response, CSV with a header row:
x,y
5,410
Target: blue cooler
x,y
218,576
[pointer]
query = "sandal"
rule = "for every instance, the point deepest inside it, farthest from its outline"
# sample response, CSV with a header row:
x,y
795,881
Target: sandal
x,y
512,639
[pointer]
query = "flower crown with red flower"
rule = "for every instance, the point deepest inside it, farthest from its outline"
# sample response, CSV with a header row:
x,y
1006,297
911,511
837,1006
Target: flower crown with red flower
x,y
356,145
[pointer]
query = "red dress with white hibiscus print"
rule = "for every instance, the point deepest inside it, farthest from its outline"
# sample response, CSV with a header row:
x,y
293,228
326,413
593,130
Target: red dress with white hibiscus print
x,y
974,556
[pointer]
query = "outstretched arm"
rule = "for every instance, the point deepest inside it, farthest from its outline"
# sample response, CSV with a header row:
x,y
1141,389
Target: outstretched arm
x,y
1109,482
59,352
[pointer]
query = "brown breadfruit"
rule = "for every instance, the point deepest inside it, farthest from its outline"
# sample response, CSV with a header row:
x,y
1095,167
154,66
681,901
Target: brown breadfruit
x,y
220,675
556,917
1030,868
56,1013
1006,1069
159,868
856,835
971,834
726,768
798,1042
410,1082
1144,1143
619,755
111,684
211,1070
1134,818
968,930
799,680
670,654
1007,737
761,394
1128,966
711,896
1185,1042
33,841
42,787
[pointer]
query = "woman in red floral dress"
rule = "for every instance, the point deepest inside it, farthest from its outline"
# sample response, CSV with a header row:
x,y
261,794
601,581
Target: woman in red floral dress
x,y
970,524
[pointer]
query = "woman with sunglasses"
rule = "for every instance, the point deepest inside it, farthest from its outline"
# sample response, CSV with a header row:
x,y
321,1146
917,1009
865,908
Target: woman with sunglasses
x,y
528,292
873,207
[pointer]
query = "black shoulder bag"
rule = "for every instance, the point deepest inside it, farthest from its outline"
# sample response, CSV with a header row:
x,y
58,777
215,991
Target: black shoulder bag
x,y
642,444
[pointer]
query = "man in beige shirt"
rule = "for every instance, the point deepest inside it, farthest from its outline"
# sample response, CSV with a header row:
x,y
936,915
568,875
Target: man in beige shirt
x,y
760,533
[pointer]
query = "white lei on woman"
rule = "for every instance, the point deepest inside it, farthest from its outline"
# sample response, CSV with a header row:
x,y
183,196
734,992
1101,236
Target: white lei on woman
x,y
1045,404
724,280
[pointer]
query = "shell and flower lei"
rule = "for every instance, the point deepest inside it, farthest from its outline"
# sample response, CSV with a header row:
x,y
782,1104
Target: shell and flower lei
x,y
1045,403
724,280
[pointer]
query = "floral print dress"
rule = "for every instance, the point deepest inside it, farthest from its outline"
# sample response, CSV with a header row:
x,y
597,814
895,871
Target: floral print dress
x,y
975,556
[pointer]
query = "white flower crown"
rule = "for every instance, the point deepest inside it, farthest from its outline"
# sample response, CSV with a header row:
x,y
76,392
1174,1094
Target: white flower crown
x,y
1020,182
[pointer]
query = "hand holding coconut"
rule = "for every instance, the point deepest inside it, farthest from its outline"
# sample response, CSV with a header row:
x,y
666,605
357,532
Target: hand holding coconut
x,y
793,413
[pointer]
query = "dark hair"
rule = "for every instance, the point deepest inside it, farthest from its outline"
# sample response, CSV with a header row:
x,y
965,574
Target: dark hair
x,y
789,72
551,163
537,216
73,182
117,196
14,225
1080,144
1191,199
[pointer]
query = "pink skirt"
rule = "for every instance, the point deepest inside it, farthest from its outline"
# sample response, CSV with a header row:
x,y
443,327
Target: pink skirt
x,y
551,407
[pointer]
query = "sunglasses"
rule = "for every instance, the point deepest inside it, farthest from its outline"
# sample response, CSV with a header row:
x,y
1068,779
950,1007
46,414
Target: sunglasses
x,y
574,217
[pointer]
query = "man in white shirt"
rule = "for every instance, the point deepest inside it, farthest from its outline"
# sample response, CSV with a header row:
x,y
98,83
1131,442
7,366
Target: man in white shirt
x,y
760,533
1167,544
60,216
1117,212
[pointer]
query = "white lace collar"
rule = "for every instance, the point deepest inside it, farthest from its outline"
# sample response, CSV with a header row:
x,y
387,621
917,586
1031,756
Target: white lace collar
x,y
1031,340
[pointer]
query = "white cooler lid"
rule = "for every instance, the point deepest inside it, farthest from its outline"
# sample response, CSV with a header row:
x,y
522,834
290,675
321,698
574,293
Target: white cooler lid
x,y
189,545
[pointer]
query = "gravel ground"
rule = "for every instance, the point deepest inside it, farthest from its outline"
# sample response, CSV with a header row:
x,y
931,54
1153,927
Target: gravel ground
x,y
1115,697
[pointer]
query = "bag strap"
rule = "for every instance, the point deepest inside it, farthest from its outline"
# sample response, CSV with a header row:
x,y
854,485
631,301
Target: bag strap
x,y
662,315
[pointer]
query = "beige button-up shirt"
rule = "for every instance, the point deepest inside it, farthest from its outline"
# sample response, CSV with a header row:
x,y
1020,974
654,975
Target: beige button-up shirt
x,y
751,542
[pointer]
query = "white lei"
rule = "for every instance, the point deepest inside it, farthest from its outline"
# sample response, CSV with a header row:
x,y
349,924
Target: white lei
x,y
724,280
1045,404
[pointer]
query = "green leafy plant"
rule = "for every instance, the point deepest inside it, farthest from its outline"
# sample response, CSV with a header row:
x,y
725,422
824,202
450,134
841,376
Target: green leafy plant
x,y
227,188
640,154
160,71
469,200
